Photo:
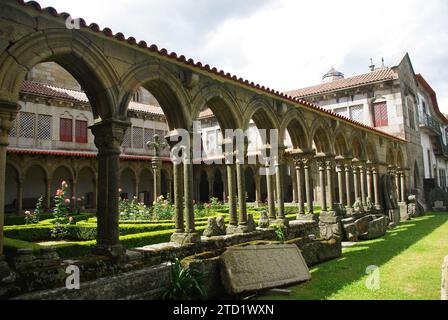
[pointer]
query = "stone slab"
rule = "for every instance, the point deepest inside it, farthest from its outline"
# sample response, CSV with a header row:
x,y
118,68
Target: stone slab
x,y
444,291
253,268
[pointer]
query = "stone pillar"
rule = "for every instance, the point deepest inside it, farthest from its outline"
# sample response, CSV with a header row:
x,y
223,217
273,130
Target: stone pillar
x,y
232,195
188,195
241,194
178,198
108,139
299,185
323,193
156,165
355,182
340,170
257,191
279,177
294,186
376,189
270,191
403,187
20,195
8,112
369,184
397,182
330,185
48,194
362,174
347,186
309,192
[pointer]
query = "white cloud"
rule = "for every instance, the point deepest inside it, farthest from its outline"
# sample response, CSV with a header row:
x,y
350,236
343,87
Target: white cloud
x,y
286,44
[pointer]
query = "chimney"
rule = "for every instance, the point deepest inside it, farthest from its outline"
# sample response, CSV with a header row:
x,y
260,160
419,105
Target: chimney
x,y
372,66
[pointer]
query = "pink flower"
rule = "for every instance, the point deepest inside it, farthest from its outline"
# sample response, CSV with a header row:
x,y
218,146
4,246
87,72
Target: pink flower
x,y
59,192
67,201
64,184
70,219
120,190
79,200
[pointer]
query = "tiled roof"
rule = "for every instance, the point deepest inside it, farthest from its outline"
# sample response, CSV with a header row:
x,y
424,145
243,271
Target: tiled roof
x,y
93,27
80,154
42,89
371,77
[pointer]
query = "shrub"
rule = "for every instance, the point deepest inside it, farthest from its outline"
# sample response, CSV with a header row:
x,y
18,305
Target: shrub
x,y
60,213
133,210
162,209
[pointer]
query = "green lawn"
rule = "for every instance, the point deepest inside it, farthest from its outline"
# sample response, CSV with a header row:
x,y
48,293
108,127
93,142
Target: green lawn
x,y
409,258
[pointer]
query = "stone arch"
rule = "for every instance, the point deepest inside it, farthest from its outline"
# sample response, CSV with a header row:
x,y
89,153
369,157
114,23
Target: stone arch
x,y
127,180
59,174
357,148
86,186
165,87
320,139
400,159
222,103
371,152
12,177
390,156
340,144
297,129
34,185
72,51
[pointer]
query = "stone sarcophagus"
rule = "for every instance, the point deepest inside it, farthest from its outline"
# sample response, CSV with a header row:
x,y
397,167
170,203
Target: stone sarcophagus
x,y
254,268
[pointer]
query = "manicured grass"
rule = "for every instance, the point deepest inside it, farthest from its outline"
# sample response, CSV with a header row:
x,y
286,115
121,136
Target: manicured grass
x,y
409,258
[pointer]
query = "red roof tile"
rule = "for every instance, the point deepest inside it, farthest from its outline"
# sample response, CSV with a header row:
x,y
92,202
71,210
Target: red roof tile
x,y
371,77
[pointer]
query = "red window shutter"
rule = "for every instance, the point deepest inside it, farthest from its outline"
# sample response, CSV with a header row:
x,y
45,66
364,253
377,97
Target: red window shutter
x,y
380,114
66,130
81,131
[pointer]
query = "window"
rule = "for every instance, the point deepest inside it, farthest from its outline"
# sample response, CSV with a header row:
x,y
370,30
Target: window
x,y
137,137
66,130
127,139
27,124
149,135
81,131
13,131
380,114
43,127
341,111
357,113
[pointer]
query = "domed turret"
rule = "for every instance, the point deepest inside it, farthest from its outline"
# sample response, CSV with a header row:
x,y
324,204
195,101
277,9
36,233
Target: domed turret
x,y
332,75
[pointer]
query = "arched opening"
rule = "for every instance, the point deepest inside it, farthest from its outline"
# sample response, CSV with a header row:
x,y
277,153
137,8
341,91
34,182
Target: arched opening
x,y
59,175
250,184
11,194
127,184
165,186
218,186
145,189
203,188
86,187
321,142
33,187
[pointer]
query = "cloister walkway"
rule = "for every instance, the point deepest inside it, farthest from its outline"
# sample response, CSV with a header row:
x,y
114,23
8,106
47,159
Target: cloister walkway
x,y
409,258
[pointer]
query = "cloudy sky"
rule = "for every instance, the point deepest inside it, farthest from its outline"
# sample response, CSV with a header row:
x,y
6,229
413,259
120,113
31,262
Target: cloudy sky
x,y
285,44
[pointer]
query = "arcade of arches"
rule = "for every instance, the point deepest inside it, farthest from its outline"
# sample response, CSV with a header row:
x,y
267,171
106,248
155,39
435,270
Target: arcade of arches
x,y
331,160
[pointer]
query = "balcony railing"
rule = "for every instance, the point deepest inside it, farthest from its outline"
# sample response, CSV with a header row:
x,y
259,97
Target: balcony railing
x,y
430,122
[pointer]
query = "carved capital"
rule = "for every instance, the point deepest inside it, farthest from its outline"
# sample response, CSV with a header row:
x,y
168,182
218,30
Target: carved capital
x,y
109,135
8,112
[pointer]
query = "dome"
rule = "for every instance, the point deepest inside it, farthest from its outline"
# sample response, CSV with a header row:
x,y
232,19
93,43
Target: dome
x,y
333,74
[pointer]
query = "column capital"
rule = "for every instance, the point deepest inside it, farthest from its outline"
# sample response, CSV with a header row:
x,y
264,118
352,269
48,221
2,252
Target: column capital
x,y
109,134
8,112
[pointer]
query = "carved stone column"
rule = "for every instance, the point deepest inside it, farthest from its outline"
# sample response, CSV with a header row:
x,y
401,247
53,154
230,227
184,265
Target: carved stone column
x,y
241,184
299,185
178,198
257,190
355,181
362,174
8,112
340,171
309,194
156,164
188,195
323,193
232,195
270,191
108,138
279,177
397,181
347,186
330,169
403,186
369,183
376,189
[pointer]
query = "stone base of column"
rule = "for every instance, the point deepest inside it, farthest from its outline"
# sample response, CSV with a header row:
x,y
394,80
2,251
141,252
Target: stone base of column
x,y
378,208
404,216
307,217
112,251
330,225
394,216
240,229
284,222
7,278
185,238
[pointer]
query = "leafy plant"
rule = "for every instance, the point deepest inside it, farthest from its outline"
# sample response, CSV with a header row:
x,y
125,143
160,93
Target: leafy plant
x,y
39,211
279,232
163,209
186,283
61,213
